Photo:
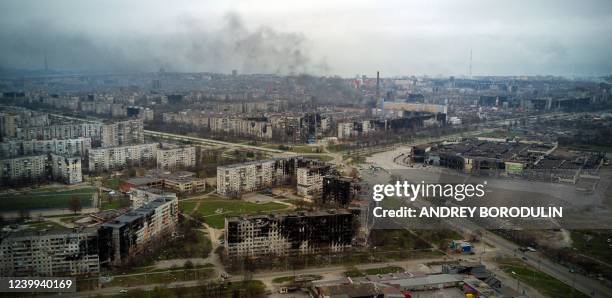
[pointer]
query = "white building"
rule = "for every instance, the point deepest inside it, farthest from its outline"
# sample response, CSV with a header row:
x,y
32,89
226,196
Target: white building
x,y
68,147
255,175
310,179
103,159
176,158
27,168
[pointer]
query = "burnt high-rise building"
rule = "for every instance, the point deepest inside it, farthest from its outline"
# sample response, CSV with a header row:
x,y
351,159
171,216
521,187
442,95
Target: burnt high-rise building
x,y
292,234
337,190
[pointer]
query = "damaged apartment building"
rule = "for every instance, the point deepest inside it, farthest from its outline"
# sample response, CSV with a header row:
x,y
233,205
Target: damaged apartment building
x,y
337,191
292,234
65,252
137,231
236,179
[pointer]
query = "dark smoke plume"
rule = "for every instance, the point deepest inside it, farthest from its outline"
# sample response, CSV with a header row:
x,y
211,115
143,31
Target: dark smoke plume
x,y
193,48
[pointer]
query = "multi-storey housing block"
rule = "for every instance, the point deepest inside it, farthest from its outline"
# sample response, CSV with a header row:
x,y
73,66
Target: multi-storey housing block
x,y
26,168
132,233
176,158
298,233
103,159
66,169
64,252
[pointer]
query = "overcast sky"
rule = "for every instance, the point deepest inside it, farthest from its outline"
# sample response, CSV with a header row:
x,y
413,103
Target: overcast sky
x,y
319,37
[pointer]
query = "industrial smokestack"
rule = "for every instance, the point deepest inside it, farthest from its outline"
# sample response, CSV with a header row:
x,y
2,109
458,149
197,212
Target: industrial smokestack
x,y
377,86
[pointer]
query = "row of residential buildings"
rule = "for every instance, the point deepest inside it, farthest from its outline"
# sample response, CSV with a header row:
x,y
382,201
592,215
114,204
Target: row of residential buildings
x,y
82,251
35,168
166,157
312,179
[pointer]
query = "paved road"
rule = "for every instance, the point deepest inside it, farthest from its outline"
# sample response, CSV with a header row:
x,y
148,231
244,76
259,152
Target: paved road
x,y
335,271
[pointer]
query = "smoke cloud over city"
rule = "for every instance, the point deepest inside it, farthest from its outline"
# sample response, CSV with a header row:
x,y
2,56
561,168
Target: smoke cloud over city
x,y
523,37
229,45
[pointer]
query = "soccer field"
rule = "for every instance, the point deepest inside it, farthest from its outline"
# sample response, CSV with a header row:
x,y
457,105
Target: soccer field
x,y
46,199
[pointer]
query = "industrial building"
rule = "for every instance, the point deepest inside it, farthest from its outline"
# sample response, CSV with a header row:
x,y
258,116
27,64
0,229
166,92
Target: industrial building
x,y
289,234
64,252
528,159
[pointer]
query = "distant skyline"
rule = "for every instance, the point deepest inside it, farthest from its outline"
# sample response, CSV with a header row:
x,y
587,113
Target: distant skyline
x,y
346,38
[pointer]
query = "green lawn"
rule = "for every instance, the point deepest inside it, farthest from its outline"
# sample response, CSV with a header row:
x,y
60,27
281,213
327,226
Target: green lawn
x,y
252,288
229,208
288,279
115,203
542,282
304,149
354,272
111,183
45,199
157,277
593,243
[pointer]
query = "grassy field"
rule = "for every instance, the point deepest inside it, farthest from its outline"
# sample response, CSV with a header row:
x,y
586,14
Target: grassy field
x,y
45,199
229,208
112,183
593,243
542,282
354,272
290,279
157,277
115,203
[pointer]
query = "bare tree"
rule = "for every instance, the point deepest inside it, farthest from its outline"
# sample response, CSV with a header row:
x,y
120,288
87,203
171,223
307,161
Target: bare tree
x,y
75,204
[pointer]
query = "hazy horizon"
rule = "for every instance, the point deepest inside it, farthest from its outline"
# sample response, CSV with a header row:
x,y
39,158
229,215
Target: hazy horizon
x,y
563,38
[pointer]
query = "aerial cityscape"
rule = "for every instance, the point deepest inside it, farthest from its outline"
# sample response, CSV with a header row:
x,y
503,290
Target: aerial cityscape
x,y
324,149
